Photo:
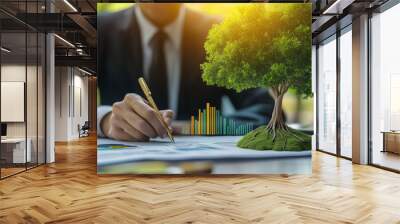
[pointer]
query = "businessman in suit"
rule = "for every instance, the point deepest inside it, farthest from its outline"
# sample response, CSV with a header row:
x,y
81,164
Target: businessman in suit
x,y
164,42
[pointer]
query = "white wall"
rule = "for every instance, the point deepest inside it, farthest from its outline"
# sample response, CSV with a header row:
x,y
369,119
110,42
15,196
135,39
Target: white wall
x,y
16,73
12,73
80,100
61,103
33,126
71,94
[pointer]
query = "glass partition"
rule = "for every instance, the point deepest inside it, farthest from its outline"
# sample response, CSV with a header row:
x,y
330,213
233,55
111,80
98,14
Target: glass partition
x,y
22,88
15,150
346,92
327,95
385,89
32,97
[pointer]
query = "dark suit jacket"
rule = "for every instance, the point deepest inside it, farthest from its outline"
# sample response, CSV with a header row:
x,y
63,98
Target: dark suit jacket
x,y
120,63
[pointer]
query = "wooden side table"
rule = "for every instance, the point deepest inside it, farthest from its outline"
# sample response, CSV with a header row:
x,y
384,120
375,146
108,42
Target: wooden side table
x,y
391,141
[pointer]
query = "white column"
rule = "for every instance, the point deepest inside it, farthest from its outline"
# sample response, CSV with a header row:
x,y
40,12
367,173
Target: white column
x,y
50,100
63,102
360,90
50,92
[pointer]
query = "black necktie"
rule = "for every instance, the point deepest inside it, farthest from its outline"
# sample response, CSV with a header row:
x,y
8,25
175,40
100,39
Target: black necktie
x,y
158,70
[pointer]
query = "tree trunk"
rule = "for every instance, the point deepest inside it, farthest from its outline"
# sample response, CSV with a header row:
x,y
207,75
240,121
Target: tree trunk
x,y
277,121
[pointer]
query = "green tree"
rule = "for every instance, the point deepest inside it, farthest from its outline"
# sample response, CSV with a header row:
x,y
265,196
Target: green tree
x,y
267,46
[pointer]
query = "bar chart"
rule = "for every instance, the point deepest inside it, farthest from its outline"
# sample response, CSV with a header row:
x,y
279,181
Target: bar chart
x,y
209,121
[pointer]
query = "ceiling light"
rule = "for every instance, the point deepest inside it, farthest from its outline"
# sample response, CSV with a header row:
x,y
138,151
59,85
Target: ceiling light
x,y
5,50
80,51
84,71
70,5
337,7
65,41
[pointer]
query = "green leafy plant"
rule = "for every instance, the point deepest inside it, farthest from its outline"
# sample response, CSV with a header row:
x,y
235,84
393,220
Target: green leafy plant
x,y
267,46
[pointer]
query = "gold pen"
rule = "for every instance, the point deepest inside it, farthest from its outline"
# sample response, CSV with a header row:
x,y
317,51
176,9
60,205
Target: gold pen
x,y
147,93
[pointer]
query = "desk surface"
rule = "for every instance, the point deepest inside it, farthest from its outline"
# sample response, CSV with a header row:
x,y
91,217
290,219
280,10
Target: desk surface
x,y
13,140
219,151
391,132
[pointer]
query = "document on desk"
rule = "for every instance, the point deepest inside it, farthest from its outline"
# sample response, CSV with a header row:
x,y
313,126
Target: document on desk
x,y
186,148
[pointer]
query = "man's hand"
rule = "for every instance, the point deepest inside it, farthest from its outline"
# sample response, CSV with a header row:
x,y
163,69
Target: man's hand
x,y
132,119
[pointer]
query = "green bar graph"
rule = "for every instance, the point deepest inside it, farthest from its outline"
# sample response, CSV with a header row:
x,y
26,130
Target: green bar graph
x,y
212,122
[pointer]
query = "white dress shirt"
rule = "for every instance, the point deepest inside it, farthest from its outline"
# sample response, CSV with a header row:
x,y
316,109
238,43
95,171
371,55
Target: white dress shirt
x,y
172,49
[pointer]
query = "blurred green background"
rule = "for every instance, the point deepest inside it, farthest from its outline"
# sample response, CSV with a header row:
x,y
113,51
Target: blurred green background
x,y
299,111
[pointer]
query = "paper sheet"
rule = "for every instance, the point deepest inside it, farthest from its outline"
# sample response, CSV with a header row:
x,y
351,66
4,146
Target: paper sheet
x,y
185,148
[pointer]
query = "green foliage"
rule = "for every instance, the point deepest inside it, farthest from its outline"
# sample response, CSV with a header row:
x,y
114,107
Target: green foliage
x,y
262,139
112,7
261,45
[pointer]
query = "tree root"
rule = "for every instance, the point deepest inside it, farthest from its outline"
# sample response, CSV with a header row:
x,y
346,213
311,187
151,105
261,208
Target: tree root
x,y
296,136
280,139
273,129
283,128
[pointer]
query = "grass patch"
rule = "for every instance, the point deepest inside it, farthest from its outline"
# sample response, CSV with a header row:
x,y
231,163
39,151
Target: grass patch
x,y
261,139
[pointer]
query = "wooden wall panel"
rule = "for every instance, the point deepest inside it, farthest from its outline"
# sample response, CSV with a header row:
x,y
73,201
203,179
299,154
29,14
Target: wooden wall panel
x,y
92,83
